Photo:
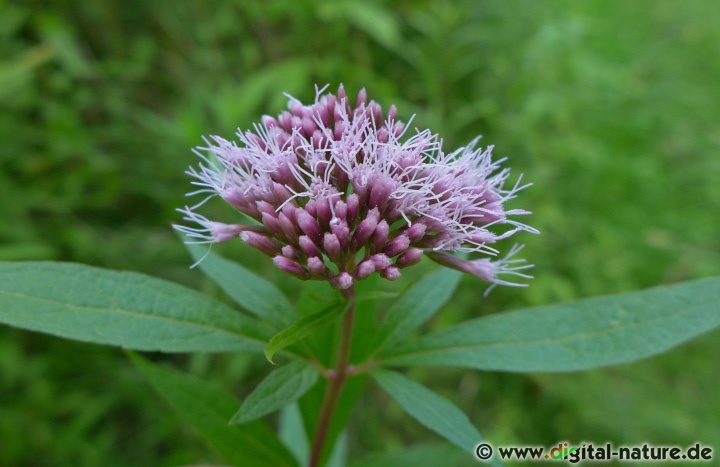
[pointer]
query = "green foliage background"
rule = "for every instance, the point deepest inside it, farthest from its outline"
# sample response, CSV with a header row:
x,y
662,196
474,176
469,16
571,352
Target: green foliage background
x,y
609,107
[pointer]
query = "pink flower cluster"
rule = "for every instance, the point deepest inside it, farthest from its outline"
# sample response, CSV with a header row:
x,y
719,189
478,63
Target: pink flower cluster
x,y
340,192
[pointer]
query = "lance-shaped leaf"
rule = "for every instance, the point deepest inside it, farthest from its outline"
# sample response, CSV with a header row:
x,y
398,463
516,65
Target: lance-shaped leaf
x,y
280,388
252,292
588,333
291,432
443,454
303,328
206,409
375,295
416,306
127,309
430,409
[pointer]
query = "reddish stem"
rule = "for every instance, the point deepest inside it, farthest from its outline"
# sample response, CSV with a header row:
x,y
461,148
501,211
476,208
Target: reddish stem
x,y
336,380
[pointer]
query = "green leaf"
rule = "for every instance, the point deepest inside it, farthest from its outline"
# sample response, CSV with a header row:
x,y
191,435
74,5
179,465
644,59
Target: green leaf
x,y
339,454
365,326
430,409
375,21
292,432
121,308
252,292
426,454
375,295
281,387
417,306
206,409
574,336
303,328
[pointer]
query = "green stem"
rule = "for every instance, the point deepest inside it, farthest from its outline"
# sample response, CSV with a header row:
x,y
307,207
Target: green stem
x,y
336,381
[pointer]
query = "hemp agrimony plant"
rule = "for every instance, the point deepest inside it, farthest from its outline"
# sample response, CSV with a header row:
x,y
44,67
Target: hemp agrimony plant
x,y
339,192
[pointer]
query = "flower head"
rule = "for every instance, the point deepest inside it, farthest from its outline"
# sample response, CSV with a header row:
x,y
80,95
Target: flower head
x,y
341,192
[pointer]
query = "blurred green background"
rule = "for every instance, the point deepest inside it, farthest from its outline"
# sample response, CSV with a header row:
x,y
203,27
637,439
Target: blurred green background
x,y
609,107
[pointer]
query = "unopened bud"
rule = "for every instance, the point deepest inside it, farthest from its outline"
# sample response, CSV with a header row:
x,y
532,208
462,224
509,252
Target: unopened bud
x,y
364,269
416,232
341,231
317,266
353,205
381,261
273,225
324,214
265,244
288,228
397,245
342,281
361,98
390,273
341,210
380,194
309,225
409,258
289,252
308,246
332,247
291,267
366,228
380,235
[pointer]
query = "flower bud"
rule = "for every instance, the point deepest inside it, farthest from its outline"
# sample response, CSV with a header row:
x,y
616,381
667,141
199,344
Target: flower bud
x,y
308,126
273,225
361,98
409,258
390,273
288,228
381,261
341,231
365,229
281,193
310,208
309,225
397,245
342,281
364,269
332,247
235,198
308,246
341,210
342,95
317,266
265,207
324,214
380,235
290,211
289,252
267,245
291,267
380,194
416,232
392,113
383,135
353,205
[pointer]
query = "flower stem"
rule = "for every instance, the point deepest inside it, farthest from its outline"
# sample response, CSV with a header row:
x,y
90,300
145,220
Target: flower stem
x,y
336,380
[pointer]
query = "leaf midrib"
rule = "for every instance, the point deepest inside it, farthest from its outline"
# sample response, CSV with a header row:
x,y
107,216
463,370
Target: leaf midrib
x,y
130,313
601,332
